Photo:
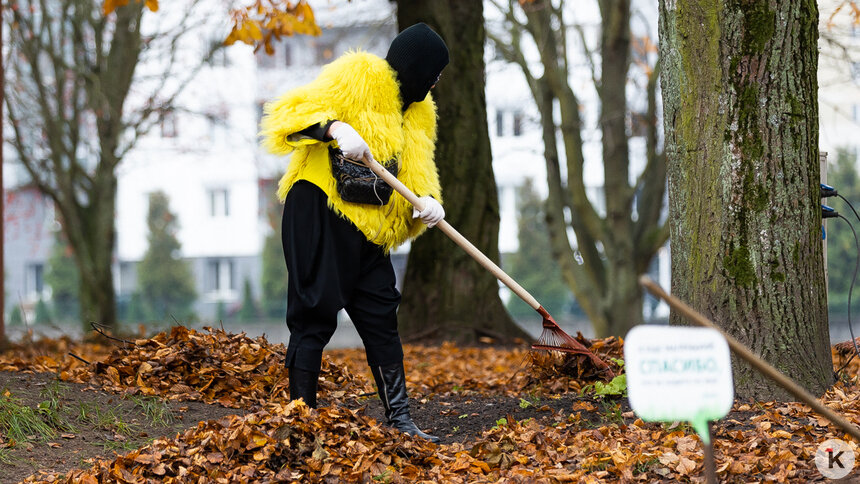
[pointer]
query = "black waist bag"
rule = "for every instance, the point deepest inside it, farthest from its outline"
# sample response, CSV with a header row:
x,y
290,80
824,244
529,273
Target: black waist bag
x,y
355,182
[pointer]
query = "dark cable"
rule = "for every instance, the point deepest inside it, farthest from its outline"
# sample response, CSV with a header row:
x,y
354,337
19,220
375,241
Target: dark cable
x,y
851,287
850,206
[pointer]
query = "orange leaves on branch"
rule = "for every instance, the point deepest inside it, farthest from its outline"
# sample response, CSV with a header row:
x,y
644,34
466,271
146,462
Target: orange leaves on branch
x,y
265,21
851,7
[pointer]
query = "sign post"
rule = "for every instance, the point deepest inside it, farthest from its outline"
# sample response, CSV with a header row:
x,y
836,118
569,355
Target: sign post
x,y
680,374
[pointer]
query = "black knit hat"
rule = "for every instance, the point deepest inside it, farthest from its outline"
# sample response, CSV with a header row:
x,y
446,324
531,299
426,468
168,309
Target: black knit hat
x,y
418,55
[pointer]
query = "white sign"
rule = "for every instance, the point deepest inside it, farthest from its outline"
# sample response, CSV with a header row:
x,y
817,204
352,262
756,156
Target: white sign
x,y
678,373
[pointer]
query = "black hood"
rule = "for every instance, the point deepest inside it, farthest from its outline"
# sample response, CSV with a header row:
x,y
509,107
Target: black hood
x,y
418,55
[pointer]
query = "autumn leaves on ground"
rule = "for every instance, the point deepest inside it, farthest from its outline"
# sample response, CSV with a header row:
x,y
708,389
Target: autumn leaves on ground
x,y
502,418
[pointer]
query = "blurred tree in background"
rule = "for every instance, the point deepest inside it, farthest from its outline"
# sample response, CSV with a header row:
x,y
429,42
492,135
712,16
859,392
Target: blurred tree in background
x,y
533,265
63,278
248,312
136,312
617,232
274,277
42,312
841,248
164,280
16,316
77,102
274,274
220,311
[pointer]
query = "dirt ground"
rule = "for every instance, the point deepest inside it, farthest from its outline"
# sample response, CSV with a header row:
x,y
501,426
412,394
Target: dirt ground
x,y
121,425
463,418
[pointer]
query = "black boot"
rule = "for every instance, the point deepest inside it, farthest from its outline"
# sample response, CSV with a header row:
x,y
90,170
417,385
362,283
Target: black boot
x,y
303,384
391,384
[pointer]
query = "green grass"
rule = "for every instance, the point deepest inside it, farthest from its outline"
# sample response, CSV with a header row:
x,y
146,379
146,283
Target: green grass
x,y
121,446
156,410
21,423
5,457
51,409
612,413
105,419
384,477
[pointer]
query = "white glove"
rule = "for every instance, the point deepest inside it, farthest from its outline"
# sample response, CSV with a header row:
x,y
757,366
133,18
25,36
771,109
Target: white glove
x,y
349,141
432,213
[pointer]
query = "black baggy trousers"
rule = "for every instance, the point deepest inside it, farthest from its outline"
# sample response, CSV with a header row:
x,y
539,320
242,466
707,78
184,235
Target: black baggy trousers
x,y
332,266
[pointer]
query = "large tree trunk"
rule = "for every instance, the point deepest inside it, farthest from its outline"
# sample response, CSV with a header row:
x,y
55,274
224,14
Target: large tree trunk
x,y
91,234
446,294
740,96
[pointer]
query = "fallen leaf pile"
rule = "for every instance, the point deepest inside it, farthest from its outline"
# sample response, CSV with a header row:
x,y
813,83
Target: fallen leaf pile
x,y
230,369
292,443
442,370
594,440
213,366
562,371
187,364
49,355
279,443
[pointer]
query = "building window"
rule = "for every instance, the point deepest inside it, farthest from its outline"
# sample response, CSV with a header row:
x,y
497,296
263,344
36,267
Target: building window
x,y
261,109
265,61
288,55
325,53
219,202
34,281
855,72
126,279
518,123
856,113
219,276
168,125
500,123
219,55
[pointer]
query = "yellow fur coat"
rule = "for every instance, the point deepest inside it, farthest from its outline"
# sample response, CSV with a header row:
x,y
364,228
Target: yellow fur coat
x,y
361,90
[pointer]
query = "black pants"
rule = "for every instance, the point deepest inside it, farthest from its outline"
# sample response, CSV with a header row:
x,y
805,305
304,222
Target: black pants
x,y
332,266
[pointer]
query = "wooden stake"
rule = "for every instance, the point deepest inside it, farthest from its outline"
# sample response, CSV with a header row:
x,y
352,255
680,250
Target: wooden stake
x,y
710,463
759,364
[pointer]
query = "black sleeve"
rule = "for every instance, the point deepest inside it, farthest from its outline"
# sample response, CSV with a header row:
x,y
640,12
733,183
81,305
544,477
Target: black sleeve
x,y
318,131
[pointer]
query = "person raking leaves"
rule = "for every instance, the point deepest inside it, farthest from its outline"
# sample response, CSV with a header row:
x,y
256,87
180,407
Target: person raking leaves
x,y
340,220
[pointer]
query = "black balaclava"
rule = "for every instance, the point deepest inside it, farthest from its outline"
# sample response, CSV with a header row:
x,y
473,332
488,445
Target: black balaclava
x,y
418,55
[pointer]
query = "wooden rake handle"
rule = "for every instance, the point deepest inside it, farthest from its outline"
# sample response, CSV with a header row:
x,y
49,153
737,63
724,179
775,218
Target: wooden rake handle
x,y
759,364
451,232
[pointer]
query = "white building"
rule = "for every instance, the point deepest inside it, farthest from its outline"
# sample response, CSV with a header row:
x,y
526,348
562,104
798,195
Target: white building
x,y
206,157
839,78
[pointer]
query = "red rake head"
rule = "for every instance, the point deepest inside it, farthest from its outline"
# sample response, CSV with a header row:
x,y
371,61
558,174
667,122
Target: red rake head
x,y
553,338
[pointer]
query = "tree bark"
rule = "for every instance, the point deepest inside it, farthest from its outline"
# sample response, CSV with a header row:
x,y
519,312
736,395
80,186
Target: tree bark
x,y
446,294
741,122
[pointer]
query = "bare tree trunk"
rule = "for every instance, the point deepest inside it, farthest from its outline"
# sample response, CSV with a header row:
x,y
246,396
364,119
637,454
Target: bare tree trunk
x,y
91,234
71,123
602,265
741,113
446,294
2,206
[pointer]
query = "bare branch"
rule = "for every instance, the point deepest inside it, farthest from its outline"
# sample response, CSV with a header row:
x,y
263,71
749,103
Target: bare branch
x,y
589,55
